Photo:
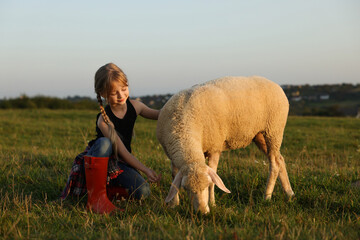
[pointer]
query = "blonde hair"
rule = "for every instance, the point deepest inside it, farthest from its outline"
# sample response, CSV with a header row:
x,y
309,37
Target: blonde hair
x,y
104,76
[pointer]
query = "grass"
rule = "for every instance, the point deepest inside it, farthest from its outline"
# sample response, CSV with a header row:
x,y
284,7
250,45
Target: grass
x,y
37,148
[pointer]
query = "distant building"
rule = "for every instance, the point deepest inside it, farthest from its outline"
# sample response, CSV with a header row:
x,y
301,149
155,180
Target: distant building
x,y
324,97
296,99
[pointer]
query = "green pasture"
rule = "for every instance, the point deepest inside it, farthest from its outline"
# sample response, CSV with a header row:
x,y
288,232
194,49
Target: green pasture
x,y
37,148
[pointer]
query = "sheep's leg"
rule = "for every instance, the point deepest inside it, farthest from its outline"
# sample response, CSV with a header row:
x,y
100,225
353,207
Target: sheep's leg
x,y
273,174
274,168
277,168
175,201
275,164
284,178
213,163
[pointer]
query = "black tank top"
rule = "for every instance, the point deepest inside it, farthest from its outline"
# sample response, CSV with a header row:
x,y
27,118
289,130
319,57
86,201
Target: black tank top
x,y
123,126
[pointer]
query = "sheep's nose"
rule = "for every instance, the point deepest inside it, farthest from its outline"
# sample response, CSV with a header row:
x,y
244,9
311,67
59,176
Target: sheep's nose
x,y
204,209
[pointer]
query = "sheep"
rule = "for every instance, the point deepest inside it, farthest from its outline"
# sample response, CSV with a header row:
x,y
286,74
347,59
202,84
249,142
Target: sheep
x,y
222,114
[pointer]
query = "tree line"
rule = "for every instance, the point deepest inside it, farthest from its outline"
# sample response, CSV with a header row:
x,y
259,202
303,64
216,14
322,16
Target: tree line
x,y
25,102
305,100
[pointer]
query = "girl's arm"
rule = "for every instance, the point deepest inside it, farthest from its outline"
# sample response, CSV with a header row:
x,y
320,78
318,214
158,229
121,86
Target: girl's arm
x,y
145,111
126,155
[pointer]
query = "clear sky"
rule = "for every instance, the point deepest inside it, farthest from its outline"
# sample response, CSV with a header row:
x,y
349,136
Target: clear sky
x,y
54,48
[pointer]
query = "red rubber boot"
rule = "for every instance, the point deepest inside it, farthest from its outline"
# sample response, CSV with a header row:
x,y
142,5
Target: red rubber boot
x,y
96,174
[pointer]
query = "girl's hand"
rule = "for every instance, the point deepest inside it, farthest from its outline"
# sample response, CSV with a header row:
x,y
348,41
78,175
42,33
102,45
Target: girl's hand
x,y
152,175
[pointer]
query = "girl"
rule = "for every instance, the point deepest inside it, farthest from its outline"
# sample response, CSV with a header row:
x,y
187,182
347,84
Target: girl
x,y
109,155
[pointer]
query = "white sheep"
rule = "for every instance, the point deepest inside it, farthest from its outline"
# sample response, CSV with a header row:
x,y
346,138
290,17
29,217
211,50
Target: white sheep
x,y
223,114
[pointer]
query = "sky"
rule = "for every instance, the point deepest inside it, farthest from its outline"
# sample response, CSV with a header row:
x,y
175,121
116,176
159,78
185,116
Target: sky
x,y
54,48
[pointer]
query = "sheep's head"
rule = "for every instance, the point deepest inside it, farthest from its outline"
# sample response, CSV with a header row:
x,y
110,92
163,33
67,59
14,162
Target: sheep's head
x,y
196,180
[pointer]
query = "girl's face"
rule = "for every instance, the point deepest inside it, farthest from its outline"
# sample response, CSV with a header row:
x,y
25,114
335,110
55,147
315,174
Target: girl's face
x,y
118,94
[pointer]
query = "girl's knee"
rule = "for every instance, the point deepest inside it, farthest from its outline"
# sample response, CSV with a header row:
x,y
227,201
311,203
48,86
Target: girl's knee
x,y
142,192
102,148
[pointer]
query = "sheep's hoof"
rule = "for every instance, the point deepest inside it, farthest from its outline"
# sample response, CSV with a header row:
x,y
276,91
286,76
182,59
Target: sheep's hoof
x,y
268,197
291,196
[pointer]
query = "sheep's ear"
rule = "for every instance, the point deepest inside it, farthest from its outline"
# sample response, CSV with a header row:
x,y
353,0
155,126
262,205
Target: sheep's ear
x,y
174,187
217,180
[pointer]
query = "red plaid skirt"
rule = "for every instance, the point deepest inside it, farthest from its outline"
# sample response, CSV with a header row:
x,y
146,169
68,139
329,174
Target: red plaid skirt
x,y
76,183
